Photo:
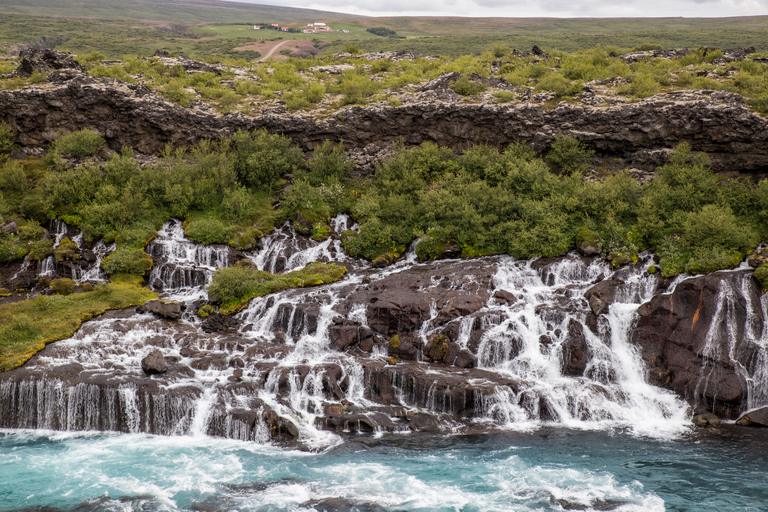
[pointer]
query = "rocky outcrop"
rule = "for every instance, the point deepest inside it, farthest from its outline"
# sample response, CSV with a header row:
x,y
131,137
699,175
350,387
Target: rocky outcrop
x,y
700,340
715,122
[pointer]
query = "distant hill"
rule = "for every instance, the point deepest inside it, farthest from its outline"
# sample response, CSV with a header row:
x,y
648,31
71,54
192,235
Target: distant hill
x,y
166,11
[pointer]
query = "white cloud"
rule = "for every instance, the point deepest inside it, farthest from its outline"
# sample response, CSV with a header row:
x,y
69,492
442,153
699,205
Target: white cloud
x,y
531,8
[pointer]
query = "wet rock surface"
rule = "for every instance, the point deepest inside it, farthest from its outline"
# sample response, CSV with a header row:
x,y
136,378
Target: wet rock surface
x,y
702,340
449,345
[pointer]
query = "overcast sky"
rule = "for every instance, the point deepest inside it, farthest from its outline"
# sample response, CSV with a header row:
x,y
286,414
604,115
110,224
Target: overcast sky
x,y
532,8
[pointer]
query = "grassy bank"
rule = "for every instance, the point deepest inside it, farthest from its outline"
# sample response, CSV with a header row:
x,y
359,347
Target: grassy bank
x,y
30,324
235,286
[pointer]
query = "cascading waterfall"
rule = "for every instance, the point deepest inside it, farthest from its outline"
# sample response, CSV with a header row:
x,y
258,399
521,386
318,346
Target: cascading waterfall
x,y
185,267
281,366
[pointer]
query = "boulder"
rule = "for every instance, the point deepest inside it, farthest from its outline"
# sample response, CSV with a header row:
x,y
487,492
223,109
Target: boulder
x,y
706,418
170,309
154,363
575,350
597,305
758,258
754,418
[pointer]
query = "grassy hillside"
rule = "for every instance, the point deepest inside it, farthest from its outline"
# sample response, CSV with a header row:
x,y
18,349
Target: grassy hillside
x,y
167,11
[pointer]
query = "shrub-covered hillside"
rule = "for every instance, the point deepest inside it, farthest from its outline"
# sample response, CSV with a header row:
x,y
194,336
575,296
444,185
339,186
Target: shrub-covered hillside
x,y
482,201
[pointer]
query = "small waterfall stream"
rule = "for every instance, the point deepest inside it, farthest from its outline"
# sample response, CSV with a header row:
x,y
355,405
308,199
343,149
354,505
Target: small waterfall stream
x,y
540,359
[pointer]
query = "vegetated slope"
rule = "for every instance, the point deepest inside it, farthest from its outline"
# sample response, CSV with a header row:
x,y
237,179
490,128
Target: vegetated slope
x,y
169,11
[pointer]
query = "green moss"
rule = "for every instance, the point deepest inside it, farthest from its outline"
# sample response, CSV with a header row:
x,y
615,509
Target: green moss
x,y
62,286
127,261
67,250
321,231
234,287
394,341
205,311
30,324
652,269
761,274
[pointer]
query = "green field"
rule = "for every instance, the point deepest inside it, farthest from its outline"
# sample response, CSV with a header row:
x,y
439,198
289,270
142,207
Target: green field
x,y
212,29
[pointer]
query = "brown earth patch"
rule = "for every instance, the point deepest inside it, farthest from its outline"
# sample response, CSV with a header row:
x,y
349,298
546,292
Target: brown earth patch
x,y
299,48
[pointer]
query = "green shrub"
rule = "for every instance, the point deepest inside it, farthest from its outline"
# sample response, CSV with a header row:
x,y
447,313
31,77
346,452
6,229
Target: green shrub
x,y
466,87
13,178
11,250
567,155
504,96
209,231
329,165
432,245
62,286
79,144
6,140
261,158
238,205
127,261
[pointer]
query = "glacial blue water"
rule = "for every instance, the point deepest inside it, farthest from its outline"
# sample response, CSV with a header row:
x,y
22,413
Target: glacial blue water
x,y
549,469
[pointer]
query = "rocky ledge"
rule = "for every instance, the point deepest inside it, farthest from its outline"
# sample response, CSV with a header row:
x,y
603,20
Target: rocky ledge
x,y
640,133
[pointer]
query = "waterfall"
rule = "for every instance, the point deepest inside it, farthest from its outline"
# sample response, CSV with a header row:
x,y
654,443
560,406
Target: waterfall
x,y
542,357
184,267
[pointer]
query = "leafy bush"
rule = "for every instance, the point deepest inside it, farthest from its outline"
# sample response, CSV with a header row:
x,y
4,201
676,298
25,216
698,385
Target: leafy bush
x,y
79,144
127,261
381,31
238,205
13,178
329,165
466,87
209,231
567,155
6,140
62,286
261,158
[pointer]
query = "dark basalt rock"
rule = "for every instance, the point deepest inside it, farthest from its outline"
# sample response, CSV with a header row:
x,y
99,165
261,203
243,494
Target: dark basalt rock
x,y
154,363
163,308
672,331
754,418
715,122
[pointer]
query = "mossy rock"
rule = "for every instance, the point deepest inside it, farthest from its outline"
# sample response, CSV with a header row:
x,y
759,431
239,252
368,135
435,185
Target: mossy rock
x,y
63,286
588,242
206,311
761,274
67,250
40,249
394,341
385,259
437,348
127,261
5,292
321,231
652,269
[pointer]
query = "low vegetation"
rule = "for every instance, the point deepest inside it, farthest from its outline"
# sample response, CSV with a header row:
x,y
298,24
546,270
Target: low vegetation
x,y
27,326
234,287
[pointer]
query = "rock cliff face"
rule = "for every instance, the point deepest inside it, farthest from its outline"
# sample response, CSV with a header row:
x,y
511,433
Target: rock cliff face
x,y
706,341
641,133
